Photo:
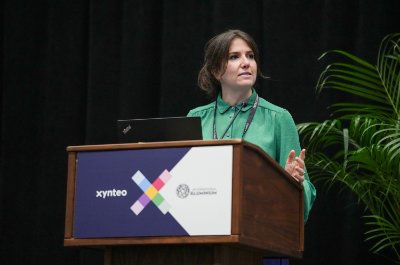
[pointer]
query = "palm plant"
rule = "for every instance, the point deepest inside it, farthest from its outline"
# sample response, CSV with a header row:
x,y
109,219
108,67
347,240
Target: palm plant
x,y
360,145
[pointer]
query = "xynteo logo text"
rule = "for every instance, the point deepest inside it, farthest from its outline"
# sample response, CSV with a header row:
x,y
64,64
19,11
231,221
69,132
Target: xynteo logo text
x,y
151,192
110,193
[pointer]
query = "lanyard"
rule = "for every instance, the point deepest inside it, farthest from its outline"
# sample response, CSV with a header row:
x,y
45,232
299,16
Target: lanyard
x,y
248,122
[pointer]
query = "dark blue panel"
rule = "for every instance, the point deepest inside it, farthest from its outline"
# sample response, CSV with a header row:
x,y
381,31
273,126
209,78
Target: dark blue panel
x,y
113,170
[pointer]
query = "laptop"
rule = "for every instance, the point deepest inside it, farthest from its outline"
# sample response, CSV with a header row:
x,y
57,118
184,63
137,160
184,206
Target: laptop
x,y
159,129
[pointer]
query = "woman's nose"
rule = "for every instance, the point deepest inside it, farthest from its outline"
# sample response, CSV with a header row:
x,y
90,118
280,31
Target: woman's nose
x,y
244,61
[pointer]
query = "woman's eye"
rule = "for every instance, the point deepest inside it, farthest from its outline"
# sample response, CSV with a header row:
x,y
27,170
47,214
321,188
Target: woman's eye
x,y
251,56
233,57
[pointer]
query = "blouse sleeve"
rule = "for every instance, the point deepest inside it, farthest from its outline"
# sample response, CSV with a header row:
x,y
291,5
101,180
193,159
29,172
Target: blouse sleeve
x,y
288,139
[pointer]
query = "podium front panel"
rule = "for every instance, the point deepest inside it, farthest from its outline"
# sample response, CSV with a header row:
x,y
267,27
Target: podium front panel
x,y
182,191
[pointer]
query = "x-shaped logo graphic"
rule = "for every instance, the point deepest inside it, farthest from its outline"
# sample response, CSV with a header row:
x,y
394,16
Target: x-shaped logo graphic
x,y
151,192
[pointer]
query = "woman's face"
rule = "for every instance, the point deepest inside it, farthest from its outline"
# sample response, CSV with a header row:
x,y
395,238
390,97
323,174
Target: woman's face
x,y
241,67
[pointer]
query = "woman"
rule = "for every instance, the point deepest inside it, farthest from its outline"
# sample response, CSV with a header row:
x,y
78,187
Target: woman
x,y
229,73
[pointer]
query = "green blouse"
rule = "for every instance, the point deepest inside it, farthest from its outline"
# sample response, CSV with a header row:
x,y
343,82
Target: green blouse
x,y
272,129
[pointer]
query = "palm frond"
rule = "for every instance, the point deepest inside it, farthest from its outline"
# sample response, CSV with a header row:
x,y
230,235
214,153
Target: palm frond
x,y
346,111
388,66
360,147
323,135
385,233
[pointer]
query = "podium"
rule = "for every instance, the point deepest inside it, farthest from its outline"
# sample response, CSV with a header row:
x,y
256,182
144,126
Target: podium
x,y
185,202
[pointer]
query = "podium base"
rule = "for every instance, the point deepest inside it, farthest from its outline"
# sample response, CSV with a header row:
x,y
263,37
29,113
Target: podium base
x,y
182,255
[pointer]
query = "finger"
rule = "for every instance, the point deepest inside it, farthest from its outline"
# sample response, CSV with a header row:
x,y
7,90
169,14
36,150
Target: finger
x,y
291,156
300,162
299,174
298,177
303,154
300,170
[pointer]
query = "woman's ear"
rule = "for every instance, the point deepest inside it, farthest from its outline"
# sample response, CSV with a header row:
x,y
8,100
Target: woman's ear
x,y
217,75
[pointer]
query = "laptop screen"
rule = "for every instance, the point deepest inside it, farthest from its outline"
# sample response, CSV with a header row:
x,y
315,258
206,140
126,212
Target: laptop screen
x,y
159,129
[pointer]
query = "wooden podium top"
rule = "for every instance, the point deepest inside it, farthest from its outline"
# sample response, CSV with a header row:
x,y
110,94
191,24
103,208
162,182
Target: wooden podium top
x,y
170,144
144,145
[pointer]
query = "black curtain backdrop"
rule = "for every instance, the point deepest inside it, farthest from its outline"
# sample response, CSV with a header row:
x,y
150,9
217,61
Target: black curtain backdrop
x,y
70,69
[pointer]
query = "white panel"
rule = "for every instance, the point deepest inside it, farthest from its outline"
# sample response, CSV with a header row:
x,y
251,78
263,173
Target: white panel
x,y
205,176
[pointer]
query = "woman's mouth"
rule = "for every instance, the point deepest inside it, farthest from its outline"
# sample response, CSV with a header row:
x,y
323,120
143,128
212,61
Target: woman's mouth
x,y
245,74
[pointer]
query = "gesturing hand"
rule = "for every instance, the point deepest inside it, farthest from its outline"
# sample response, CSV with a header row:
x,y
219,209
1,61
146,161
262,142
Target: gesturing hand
x,y
295,165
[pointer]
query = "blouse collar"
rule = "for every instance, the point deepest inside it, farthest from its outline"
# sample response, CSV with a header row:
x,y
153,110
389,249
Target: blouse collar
x,y
223,106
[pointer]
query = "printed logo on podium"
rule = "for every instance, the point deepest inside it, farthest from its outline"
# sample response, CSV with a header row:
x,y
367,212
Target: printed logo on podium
x,y
182,191
151,192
